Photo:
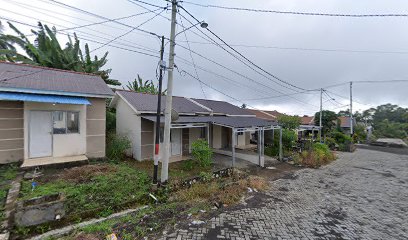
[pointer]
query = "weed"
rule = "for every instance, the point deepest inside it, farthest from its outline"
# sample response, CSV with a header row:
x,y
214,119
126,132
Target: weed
x,y
206,176
116,147
201,153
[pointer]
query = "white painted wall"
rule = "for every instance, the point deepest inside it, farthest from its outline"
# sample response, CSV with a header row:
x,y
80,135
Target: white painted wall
x,y
216,136
63,144
129,124
243,139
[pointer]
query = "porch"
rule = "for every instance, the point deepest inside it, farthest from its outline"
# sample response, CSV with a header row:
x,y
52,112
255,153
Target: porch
x,y
52,161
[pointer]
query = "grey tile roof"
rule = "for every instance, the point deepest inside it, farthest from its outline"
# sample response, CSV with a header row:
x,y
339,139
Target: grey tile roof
x,y
21,77
148,103
220,107
235,122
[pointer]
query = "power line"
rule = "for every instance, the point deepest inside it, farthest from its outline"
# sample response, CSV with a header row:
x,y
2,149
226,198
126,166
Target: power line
x,y
311,49
192,59
126,33
299,13
278,96
86,39
244,57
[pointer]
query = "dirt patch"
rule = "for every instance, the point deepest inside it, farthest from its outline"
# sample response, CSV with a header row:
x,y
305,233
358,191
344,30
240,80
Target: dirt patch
x,y
81,174
281,171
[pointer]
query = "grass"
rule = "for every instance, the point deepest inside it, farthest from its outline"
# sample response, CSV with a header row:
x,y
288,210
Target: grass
x,y
99,188
177,170
185,205
7,174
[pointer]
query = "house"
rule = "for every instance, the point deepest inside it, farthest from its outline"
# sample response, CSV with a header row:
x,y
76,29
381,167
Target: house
x,y
307,127
222,124
49,115
344,123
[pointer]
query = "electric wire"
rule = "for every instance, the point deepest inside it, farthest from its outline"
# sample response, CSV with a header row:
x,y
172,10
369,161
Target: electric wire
x,y
243,56
126,33
299,13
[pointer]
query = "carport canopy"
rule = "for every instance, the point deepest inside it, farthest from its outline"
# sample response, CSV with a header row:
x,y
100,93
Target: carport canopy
x,y
236,123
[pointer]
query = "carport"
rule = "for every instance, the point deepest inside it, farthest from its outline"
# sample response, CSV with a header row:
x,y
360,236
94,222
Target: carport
x,y
237,125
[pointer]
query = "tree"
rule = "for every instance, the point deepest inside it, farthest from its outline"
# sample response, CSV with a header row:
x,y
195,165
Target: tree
x,y
289,122
47,51
138,85
244,106
344,113
329,120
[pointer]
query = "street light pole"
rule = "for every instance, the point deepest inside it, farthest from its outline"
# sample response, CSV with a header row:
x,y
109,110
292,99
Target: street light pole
x,y
159,94
169,96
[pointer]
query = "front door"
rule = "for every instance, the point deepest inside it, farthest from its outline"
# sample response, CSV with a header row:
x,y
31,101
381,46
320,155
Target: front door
x,y
175,139
40,132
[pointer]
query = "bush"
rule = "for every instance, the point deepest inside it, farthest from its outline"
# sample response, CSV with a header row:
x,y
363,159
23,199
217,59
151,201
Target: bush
x,y
187,165
201,153
288,141
116,147
340,137
110,121
330,142
318,155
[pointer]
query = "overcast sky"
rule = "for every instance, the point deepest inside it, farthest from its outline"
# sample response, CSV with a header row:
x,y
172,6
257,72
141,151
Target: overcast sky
x,y
308,69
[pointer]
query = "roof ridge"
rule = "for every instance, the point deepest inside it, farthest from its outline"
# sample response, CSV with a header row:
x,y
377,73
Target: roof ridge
x,y
49,68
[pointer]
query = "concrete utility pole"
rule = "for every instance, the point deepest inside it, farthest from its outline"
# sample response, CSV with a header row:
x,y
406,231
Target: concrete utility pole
x,y
320,115
351,110
157,145
169,97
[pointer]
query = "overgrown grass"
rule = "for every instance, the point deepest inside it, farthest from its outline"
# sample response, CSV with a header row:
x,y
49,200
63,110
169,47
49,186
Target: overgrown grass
x,y
320,154
187,204
98,192
7,174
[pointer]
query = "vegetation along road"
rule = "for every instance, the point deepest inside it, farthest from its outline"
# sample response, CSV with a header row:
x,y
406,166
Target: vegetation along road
x,y
362,195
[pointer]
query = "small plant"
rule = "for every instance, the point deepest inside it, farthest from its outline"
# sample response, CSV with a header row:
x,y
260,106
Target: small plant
x,y
117,146
205,176
201,153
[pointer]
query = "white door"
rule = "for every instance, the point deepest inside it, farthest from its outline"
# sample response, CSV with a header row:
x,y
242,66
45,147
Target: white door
x,y
175,141
40,132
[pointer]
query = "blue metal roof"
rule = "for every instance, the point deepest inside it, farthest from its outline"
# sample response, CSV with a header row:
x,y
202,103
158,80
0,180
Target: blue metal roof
x,y
43,98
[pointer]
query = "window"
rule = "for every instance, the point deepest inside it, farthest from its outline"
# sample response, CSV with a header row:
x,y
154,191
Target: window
x,y
65,122
59,122
72,122
203,133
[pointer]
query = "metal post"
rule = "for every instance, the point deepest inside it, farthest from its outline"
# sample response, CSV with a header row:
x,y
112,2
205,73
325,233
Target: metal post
x,y
320,115
259,146
351,110
208,134
158,113
169,97
280,145
263,149
233,147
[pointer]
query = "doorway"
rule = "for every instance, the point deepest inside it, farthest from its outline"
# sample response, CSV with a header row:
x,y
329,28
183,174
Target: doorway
x,y
40,134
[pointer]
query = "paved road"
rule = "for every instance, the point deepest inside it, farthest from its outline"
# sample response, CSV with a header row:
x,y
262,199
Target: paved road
x,y
363,195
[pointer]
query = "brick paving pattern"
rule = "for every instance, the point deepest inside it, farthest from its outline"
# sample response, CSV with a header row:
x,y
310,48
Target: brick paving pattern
x,y
362,195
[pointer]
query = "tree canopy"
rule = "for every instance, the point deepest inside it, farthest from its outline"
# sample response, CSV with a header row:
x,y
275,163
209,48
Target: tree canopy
x,y
47,51
289,122
138,85
329,120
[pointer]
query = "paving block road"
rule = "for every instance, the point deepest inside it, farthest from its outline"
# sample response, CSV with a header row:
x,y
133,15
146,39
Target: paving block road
x,y
362,195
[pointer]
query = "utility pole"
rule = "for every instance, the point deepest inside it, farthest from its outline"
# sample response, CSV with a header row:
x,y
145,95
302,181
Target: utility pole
x,y
321,112
351,110
159,94
169,96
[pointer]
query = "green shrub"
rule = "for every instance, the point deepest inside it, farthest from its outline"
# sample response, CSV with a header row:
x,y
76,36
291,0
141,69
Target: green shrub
x,y
340,137
288,141
110,121
117,146
206,176
201,153
318,155
330,142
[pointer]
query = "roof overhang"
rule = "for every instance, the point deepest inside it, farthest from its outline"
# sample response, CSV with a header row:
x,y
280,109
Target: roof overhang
x,y
43,98
62,93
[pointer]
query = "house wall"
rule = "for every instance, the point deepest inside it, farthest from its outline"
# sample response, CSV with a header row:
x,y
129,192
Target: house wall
x,y
11,131
129,124
96,128
216,136
63,144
